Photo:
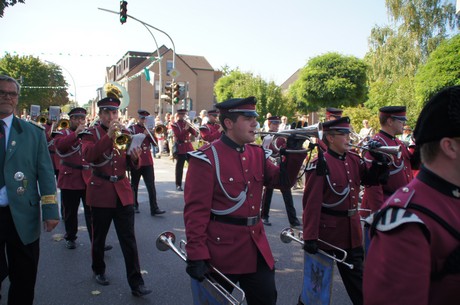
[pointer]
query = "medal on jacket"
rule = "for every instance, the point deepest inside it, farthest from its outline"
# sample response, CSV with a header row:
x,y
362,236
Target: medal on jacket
x,y
20,190
19,176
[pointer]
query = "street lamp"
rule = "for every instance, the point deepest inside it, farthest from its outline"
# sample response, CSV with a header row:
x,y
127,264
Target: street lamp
x,y
73,80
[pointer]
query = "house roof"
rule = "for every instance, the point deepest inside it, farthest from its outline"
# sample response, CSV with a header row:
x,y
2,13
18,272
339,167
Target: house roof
x,y
290,80
196,62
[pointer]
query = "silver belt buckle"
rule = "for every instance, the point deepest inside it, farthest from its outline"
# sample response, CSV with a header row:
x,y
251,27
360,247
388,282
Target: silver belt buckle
x,y
252,220
113,179
352,212
85,167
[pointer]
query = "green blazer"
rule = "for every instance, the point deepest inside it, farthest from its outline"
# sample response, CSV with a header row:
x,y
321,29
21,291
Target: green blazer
x,y
27,153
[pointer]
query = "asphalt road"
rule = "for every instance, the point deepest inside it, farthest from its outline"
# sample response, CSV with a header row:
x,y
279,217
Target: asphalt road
x,y
65,276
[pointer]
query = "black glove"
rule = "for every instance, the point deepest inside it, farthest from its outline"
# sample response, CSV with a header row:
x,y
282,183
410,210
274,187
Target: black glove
x,y
310,246
379,157
373,144
197,269
294,142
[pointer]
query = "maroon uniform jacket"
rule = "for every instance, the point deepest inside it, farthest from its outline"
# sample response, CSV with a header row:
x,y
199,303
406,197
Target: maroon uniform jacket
x,y
336,192
145,159
210,132
402,256
230,248
400,174
106,160
74,171
182,137
51,147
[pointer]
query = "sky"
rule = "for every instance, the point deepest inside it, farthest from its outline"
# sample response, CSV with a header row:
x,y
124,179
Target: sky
x,y
265,37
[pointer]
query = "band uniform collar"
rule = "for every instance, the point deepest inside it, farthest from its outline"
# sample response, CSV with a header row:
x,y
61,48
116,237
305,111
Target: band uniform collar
x,y
336,155
227,141
388,135
438,183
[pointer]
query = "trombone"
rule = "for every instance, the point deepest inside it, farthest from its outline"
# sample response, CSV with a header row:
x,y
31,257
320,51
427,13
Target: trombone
x,y
287,235
165,241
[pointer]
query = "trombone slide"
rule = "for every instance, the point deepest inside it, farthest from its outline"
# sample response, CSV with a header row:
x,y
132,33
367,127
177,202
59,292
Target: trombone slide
x,y
165,241
287,235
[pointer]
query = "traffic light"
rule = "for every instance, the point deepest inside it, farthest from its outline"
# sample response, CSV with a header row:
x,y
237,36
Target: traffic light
x,y
168,93
123,11
175,92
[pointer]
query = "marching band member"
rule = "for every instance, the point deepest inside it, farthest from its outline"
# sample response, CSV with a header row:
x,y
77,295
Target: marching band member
x,y
223,192
109,194
392,120
330,203
182,131
414,256
74,174
145,165
211,130
273,124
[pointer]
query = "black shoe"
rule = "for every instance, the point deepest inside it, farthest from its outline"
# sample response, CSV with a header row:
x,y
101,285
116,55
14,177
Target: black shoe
x,y
179,188
140,291
70,244
101,280
136,210
157,211
266,222
108,247
296,224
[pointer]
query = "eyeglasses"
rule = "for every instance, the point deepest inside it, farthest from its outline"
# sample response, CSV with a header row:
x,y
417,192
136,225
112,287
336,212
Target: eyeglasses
x,y
6,93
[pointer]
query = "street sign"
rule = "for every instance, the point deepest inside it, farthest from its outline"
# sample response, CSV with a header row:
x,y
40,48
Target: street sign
x,y
174,73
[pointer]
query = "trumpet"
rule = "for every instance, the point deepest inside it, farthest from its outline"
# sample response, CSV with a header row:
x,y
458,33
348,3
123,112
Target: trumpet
x,y
304,133
287,235
165,241
42,119
63,124
192,126
389,151
121,140
161,128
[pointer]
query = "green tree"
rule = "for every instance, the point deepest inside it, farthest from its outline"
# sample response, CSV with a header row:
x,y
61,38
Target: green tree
x,y
41,84
332,80
442,69
6,3
268,94
396,51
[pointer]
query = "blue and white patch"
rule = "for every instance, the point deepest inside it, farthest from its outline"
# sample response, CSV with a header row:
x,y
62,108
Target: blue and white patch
x,y
310,166
394,217
200,155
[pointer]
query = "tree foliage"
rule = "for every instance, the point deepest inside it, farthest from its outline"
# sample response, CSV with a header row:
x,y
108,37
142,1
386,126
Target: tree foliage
x,y
41,84
6,3
331,80
424,23
442,69
239,84
396,51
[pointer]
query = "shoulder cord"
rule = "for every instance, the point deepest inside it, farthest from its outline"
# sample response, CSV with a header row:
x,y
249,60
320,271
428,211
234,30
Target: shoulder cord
x,y
107,158
74,150
239,200
344,193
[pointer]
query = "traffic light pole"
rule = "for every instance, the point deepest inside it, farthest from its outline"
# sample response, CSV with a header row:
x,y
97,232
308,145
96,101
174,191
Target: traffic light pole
x,y
172,42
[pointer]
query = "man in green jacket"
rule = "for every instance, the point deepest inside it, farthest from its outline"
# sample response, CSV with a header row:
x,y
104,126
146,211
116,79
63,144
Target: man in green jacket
x,y
26,180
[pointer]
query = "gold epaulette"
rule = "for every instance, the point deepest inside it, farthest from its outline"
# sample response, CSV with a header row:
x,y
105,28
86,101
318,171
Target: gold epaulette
x,y
49,199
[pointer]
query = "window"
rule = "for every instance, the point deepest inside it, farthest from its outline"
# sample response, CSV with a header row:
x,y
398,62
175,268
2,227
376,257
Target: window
x,y
169,66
